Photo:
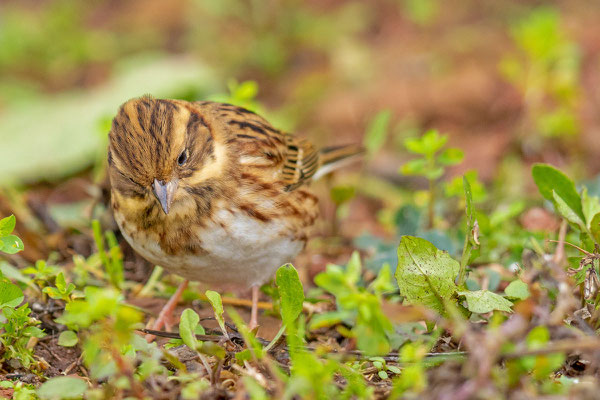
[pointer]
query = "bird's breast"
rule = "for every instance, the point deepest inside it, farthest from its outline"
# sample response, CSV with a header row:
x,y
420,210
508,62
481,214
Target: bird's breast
x,y
231,247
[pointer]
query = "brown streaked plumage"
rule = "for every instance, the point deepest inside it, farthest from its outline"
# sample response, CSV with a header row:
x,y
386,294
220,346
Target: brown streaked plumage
x,y
212,191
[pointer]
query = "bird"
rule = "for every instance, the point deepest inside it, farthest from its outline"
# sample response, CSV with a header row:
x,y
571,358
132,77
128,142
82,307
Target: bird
x,y
212,191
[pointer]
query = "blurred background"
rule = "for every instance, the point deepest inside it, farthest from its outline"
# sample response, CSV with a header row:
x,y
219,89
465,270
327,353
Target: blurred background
x,y
509,82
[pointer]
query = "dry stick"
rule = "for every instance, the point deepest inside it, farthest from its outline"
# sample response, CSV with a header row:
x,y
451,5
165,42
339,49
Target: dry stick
x,y
559,255
392,357
558,346
233,301
207,367
587,253
204,338
73,365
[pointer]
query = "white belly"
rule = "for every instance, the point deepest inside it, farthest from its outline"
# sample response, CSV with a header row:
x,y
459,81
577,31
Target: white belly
x,y
246,252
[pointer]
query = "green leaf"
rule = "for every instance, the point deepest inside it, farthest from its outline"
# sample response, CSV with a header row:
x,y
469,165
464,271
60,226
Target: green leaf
x,y
483,301
354,268
245,91
60,282
217,304
425,274
10,295
417,166
62,388
14,274
456,188
377,132
538,337
187,328
428,144
7,225
33,331
370,339
291,293
517,290
595,227
434,173
590,205
451,156
329,319
11,244
52,292
342,193
548,180
567,212
68,339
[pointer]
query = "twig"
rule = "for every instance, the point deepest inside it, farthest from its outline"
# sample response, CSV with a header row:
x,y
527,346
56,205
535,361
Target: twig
x,y
205,338
234,301
391,357
558,346
559,255
587,253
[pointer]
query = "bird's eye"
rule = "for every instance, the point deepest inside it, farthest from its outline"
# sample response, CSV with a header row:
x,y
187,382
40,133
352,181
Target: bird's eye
x,y
182,157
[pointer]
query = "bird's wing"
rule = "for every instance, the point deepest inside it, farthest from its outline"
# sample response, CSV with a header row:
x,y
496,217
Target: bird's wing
x,y
293,160
301,162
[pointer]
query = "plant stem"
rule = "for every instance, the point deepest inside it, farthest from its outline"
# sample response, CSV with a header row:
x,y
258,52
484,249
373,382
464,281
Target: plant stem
x,y
464,259
431,208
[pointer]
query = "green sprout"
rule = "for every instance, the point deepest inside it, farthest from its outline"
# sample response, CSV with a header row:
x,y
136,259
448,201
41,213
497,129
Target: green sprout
x,y
432,163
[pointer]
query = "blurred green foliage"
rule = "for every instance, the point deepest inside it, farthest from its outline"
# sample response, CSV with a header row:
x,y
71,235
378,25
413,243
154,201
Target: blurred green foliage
x,y
547,71
65,67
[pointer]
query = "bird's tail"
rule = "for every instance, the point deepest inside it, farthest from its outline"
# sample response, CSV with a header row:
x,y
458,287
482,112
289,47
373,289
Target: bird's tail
x,y
334,157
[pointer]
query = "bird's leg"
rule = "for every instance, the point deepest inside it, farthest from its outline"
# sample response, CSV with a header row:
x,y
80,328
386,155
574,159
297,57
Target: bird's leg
x,y
165,315
254,313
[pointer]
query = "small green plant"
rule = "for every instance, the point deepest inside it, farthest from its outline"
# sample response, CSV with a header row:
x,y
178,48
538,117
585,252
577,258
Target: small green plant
x,y
382,367
413,378
582,211
431,277
113,258
311,375
105,326
432,163
62,291
19,329
359,306
42,273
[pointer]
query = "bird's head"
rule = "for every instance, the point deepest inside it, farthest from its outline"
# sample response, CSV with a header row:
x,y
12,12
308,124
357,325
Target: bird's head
x,y
161,151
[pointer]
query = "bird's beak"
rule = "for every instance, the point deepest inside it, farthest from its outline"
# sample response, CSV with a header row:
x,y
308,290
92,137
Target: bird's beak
x,y
164,192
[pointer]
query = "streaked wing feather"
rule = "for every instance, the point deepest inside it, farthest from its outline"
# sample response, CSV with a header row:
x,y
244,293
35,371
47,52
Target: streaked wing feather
x,y
300,164
263,146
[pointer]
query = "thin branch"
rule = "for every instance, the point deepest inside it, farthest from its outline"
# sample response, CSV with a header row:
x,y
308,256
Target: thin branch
x,y
558,346
559,255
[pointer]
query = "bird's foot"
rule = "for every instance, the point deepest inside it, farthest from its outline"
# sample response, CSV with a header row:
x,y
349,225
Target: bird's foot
x,y
165,317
